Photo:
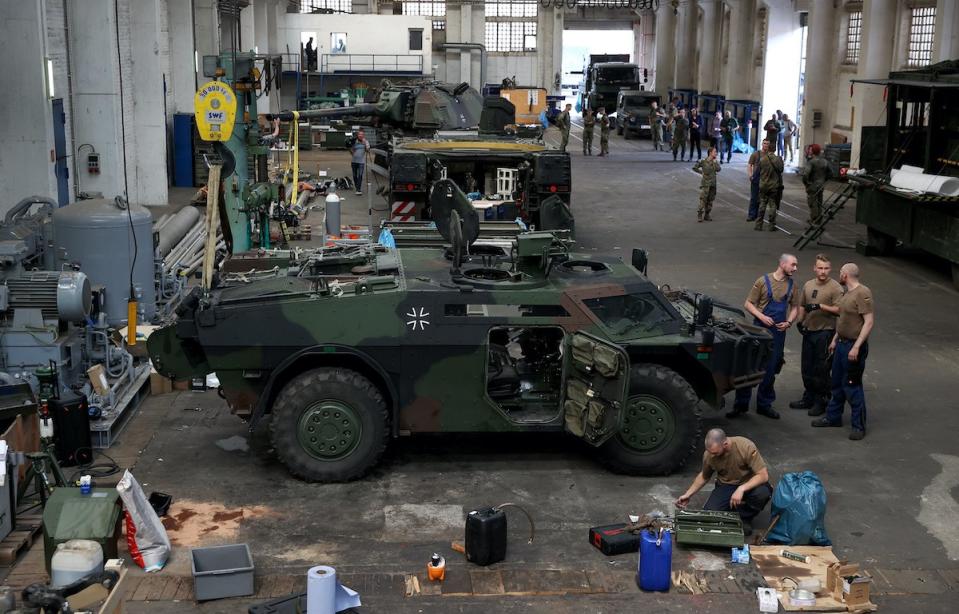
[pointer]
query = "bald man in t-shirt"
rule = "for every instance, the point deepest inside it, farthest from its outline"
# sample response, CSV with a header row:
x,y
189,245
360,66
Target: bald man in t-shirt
x,y
850,346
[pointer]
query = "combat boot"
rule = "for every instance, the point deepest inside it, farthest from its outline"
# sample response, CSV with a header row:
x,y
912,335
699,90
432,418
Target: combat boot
x,y
699,217
707,218
759,225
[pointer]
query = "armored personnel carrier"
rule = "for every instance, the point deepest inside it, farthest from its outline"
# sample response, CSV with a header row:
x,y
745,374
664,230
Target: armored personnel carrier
x,y
347,348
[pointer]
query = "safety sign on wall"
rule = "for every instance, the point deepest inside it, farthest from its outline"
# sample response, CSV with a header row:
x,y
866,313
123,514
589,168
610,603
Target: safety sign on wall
x,y
215,111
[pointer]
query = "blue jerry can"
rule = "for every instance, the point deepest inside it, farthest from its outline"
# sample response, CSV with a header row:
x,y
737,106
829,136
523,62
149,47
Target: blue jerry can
x,y
655,561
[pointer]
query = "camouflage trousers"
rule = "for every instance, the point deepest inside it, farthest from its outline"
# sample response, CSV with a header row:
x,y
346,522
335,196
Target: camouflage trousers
x,y
814,201
565,142
768,202
604,144
707,194
587,142
657,136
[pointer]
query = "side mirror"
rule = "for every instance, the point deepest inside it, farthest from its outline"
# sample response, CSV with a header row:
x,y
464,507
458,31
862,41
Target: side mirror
x,y
640,260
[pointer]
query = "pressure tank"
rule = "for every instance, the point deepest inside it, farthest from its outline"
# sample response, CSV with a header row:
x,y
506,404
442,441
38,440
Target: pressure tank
x,y
107,242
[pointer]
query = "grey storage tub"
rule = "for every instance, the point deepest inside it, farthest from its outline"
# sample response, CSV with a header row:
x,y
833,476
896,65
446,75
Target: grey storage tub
x,y
222,571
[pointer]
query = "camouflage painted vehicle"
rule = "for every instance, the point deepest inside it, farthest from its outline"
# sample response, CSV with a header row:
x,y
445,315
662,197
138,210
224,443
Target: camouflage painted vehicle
x,y
349,347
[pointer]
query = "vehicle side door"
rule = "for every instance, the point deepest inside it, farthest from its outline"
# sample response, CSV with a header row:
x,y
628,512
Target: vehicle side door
x,y
596,378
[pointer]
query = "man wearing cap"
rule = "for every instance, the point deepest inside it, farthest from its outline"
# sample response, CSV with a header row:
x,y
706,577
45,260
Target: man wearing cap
x,y
850,347
814,176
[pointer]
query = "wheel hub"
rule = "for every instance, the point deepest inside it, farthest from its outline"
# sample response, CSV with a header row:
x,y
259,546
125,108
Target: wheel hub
x,y
647,423
329,430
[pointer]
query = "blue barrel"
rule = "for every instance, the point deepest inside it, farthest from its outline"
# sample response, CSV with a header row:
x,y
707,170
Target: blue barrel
x,y
655,561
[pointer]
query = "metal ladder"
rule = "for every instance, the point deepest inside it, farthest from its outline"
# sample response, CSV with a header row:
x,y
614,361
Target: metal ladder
x,y
830,209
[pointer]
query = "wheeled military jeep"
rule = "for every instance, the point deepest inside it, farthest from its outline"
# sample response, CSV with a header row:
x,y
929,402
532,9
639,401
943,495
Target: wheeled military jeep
x,y
349,347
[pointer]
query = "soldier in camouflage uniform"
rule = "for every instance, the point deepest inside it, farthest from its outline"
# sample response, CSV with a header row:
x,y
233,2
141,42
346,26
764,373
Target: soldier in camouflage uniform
x,y
814,176
707,188
563,123
656,117
680,131
588,122
603,131
770,181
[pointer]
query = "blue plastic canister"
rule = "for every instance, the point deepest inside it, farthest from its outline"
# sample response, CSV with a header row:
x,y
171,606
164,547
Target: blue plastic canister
x,y
655,561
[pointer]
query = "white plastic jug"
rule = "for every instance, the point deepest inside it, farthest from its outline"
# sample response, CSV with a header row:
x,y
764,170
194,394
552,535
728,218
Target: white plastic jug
x,y
75,559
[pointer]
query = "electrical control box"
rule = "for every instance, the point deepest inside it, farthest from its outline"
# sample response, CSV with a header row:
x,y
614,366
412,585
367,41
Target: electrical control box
x,y
93,163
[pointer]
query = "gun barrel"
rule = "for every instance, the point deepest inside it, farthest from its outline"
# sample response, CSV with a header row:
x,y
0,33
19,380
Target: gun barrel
x,y
366,108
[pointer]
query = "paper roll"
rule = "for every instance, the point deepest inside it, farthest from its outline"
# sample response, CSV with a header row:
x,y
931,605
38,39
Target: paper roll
x,y
321,590
912,178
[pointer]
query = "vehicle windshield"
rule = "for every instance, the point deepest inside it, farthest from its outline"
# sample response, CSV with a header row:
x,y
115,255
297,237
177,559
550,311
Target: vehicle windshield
x,y
636,101
618,74
633,315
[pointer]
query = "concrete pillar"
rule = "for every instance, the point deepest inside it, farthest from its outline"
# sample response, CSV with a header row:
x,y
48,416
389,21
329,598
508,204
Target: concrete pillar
x,y
686,68
26,132
466,28
144,89
739,61
261,27
247,20
665,48
549,43
182,82
820,86
946,44
206,31
879,21
709,51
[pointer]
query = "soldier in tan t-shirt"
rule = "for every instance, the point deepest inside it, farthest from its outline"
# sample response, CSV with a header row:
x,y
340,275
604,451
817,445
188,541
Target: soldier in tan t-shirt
x,y
818,311
850,346
742,479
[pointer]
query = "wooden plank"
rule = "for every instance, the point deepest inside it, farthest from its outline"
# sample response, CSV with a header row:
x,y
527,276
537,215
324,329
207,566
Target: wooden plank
x,y
283,586
184,592
775,567
487,583
157,585
212,223
171,588
114,603
263,585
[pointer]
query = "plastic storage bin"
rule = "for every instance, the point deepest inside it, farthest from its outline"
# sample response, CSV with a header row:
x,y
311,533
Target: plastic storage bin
x,y
222,571
75,559
655,561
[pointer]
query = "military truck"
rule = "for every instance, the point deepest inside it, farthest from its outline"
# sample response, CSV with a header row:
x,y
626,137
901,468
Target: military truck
x,y
632,112
349,347
603,77
521,173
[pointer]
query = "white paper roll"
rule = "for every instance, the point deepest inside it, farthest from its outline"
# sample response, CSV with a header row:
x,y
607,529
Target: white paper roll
x,y
912,178
321,590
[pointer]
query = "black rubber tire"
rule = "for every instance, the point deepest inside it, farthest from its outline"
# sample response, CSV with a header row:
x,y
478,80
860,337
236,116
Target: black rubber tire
x,y
671,388
330,383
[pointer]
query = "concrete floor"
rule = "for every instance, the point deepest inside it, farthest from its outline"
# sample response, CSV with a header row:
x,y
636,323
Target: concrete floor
x,y
893,498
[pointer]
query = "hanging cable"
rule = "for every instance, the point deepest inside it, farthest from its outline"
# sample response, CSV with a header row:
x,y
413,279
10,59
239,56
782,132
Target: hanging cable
x,y
131,302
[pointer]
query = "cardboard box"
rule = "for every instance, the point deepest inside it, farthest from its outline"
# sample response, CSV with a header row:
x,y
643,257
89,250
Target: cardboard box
x,y
98,378
856,589
160,384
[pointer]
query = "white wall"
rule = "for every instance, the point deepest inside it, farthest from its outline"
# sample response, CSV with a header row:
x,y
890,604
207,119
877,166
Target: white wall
x,y
366,34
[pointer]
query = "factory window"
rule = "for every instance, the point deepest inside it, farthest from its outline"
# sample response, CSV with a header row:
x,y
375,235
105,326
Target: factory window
x,y
326,6
511,25
436,10
853,38
922,29
416,40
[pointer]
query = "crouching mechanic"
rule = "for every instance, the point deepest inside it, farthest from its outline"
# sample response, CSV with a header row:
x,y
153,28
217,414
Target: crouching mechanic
x,y
742,480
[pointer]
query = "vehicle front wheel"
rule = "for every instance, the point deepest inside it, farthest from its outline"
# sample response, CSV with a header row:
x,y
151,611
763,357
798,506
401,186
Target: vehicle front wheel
x,y
659,424
329,425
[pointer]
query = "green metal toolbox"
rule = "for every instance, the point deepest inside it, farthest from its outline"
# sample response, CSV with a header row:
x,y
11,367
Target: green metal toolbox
x,y
707,528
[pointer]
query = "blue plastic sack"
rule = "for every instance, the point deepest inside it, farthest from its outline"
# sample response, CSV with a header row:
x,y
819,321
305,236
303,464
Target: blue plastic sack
x,y
386,238
800,502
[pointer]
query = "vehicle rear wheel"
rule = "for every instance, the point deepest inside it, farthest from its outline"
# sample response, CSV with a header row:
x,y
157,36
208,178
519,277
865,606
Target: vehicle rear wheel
x,y
329,425
883,243
659,425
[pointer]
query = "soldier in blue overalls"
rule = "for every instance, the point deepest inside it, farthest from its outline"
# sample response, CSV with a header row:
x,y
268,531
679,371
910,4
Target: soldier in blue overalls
x,y
774,303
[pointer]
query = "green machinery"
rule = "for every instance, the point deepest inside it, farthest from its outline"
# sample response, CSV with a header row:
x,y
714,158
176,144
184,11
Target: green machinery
x,y
922,129
247,190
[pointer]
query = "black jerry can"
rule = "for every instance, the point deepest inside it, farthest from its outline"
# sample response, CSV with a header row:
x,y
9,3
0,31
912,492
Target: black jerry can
x,y
486,536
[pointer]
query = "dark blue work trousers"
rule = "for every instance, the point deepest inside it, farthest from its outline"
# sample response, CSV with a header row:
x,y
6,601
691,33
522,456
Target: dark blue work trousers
x,y
847,385
358,175
754,196
753,500
765,392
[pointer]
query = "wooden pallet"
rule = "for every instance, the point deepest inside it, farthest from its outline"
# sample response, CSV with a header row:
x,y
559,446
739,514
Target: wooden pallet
x,y
20,539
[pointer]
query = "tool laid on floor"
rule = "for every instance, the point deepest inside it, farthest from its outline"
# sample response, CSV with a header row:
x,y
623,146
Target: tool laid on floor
x,y
436,568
